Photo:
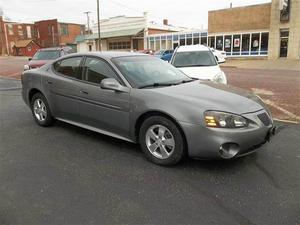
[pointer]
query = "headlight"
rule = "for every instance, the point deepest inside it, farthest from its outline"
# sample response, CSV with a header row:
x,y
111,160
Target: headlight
x,y
224,120
220,78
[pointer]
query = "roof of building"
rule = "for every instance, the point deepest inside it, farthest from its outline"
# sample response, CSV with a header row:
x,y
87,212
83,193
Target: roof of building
x,y
23,43
109,34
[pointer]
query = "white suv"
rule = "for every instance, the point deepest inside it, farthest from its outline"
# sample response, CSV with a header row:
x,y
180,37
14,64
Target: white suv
x,y
198,61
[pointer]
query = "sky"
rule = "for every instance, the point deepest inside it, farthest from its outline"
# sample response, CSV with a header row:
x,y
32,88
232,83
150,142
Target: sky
x,y
187,13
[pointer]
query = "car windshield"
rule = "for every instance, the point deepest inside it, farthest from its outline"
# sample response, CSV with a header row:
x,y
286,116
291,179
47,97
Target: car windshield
x,y
191,59
45,55
143,71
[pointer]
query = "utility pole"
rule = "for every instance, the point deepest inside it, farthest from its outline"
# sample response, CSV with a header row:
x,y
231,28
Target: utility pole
x,y
88,21
98,20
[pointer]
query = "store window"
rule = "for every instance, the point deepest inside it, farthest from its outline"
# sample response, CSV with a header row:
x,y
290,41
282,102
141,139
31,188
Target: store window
x,y
284,40
163,42
196,38
227,44
182,39
189,39
211,42
264,43
236,44
117,45
254,44
175,38
219,43
204,38
245,44
169,42
157,43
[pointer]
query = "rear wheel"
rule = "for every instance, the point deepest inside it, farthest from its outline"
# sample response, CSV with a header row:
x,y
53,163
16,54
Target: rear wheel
x,y
161,141
41,111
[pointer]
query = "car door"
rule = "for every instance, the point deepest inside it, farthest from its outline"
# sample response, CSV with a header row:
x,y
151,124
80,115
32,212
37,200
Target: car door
x,y
107,110
63,85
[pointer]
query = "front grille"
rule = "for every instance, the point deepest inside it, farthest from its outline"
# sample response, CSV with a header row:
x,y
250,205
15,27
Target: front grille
x,y
264,118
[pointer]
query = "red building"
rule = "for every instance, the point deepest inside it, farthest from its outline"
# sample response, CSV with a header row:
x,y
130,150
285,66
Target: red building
x,y
25,48
51,33
11,32
46,33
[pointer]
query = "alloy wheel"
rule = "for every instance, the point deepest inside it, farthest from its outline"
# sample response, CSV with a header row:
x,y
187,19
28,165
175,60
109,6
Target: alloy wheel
x,y
160,141
39,109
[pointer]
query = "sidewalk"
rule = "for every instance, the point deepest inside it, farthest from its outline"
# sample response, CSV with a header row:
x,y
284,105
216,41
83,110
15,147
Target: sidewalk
x,y
265,64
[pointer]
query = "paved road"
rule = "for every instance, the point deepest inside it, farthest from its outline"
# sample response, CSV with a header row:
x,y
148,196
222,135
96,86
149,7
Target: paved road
x,y
68,175
280,89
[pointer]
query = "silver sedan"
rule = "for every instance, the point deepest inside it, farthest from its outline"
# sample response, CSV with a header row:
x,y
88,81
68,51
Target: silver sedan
x,y
139,98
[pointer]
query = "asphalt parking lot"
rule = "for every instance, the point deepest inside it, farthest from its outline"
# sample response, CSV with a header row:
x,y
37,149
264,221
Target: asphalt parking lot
x,y
68,175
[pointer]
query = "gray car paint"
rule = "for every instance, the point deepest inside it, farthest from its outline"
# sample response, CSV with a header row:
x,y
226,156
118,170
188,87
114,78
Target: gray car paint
x,y
116,113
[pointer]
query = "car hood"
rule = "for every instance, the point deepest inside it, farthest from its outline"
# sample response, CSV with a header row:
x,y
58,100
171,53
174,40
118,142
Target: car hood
x,y
213,96
38,63
201,72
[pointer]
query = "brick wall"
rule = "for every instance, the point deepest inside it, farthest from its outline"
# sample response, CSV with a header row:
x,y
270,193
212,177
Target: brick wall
x,y
46,33
246,18
73,30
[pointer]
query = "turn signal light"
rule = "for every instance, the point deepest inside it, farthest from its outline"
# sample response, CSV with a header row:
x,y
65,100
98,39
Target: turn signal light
x,y
210,121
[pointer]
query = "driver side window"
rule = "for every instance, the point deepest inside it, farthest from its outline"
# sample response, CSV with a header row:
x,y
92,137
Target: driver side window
x,y
95,70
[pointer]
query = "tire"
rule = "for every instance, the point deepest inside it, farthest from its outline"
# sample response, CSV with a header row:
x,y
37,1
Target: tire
x,y
41,111
163,148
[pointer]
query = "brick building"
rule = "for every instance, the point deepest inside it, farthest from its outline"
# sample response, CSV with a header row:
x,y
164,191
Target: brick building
x,y
51,33
11,32
270,30
46,33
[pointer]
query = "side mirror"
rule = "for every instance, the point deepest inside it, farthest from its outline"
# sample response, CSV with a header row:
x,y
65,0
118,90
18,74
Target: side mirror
x,y
112,84
29,59
26,67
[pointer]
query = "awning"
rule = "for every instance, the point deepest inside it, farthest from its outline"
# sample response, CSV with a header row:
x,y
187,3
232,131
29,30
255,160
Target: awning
x,y
110,34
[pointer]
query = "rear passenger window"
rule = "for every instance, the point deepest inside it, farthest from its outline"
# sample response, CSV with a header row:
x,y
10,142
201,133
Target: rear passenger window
x,y
69,67
96,70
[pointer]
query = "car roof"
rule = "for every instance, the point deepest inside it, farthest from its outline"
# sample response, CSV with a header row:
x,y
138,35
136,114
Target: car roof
x,y
109,54
192,48
55,48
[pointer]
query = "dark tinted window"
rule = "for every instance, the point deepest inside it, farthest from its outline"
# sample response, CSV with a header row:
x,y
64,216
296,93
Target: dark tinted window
x,y
45,55
96,70
69,67
189,59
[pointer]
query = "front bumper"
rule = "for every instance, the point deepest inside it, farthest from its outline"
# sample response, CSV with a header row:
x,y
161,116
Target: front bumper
x,y
204,142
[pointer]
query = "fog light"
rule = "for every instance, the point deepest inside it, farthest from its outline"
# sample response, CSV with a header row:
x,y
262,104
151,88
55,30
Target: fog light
x,y
229,150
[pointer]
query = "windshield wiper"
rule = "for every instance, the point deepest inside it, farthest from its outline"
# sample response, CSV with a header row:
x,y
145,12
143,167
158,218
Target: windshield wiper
x,y
192,66
156,85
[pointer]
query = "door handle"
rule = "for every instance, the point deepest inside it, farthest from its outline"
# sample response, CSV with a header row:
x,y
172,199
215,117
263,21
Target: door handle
x,y
84,92
49,82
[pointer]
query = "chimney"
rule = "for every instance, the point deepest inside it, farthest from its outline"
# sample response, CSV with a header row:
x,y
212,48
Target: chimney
x,y
165,22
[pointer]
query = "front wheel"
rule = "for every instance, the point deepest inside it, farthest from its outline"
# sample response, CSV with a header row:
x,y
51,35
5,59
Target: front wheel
x,y
161,141
41,111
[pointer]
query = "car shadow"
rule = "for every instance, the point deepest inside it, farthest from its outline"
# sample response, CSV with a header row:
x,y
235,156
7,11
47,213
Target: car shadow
x,y
134,149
